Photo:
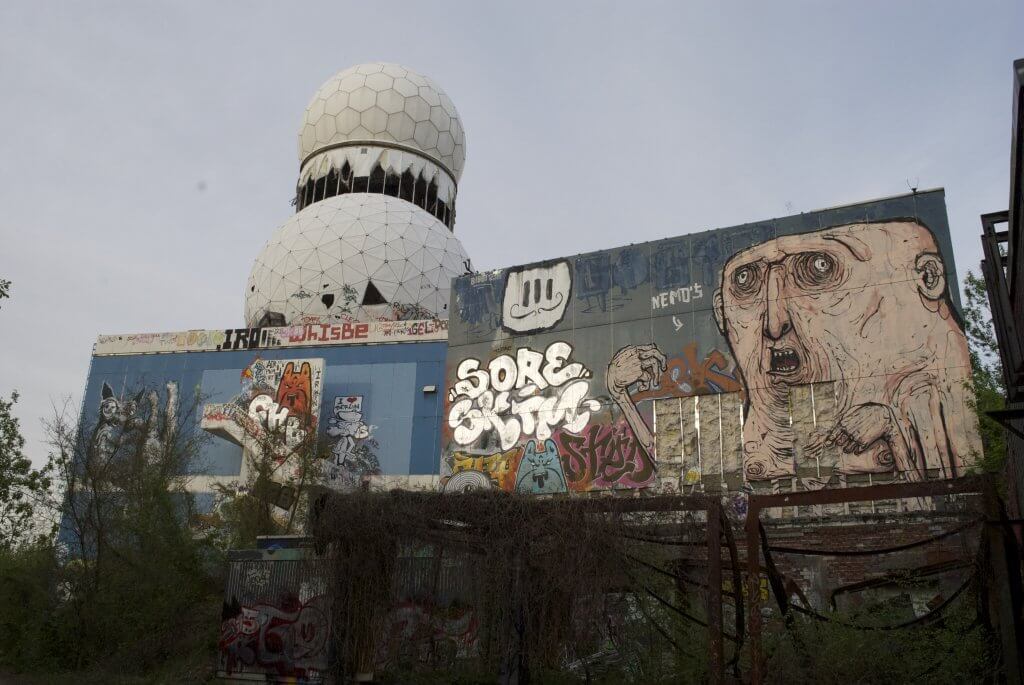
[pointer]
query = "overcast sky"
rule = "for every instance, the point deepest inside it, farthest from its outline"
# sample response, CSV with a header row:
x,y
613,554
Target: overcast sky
x,y
148,150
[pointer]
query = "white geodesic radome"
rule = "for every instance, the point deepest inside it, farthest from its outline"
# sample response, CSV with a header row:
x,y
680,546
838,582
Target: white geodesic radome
x,y
355,257
384,115
389,103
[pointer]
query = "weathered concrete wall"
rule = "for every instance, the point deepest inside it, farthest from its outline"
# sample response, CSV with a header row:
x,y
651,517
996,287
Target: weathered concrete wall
x,y
794,353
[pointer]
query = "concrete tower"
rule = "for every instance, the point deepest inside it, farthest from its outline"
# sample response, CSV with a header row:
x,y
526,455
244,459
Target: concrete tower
x,y
381,151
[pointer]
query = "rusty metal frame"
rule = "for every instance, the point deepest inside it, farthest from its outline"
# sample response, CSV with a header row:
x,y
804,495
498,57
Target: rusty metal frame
x,y
717,527
1008,334
999,600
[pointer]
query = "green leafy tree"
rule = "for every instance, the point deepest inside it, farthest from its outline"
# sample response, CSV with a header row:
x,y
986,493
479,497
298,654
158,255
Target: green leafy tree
x,y
274,496
986,373
126,587
23,489
135,582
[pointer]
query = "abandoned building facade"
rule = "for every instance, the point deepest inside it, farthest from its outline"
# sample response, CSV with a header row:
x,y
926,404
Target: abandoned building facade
x,y
801,354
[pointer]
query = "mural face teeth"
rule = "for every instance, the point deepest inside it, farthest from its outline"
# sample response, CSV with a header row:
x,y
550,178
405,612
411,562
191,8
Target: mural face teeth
x,y
784,361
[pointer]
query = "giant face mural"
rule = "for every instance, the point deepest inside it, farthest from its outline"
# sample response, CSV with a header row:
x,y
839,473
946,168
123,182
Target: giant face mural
x,y
865,306
829,347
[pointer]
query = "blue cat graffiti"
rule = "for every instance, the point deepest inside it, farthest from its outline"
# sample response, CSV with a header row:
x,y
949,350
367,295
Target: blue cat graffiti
x,y
540,471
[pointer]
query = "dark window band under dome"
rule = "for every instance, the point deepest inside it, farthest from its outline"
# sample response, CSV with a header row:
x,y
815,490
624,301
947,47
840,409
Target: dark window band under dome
x,y
405,186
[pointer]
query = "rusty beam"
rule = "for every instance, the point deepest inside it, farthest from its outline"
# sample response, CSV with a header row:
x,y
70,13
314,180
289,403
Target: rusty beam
x,y
967,485
658,503
714,534
1004,591
930,488
753,529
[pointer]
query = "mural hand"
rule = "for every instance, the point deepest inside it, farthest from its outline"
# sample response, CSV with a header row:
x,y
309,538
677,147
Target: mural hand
x,y
635,364
860,427
653,363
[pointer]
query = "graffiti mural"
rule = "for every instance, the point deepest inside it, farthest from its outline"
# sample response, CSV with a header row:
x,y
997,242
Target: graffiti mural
x,y
279,397
607,456
269,337
140,418
288,640
540,469
866,306
686,374
536,298
352,455
818,346
525,395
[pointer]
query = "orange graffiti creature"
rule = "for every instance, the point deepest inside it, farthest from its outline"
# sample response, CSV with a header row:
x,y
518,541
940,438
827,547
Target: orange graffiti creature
x,y
295,389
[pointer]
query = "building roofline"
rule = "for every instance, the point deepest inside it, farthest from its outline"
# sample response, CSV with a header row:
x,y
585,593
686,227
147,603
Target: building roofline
x,y
273,337
938,189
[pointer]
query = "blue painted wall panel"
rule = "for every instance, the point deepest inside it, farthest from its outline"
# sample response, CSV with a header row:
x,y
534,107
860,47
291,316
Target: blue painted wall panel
x,y
389,378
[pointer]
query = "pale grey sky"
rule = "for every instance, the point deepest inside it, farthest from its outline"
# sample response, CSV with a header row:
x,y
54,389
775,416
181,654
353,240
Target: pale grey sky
x,y
148,150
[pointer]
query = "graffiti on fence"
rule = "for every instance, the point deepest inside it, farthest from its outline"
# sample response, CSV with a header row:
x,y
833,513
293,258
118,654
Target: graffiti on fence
x,y
418,633
288,640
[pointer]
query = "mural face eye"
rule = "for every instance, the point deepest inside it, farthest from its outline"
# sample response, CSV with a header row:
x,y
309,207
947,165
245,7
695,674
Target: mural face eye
x,y
746,281
816,270
930,275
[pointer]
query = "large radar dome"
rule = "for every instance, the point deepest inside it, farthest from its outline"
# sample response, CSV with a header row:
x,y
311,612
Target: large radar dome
x,y
386,103
355,257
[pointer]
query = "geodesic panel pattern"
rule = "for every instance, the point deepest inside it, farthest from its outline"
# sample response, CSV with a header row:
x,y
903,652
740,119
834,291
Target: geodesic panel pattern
x,y
385,102
355,257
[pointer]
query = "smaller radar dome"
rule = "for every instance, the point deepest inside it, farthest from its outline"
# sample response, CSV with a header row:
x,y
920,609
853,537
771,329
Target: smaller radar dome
x,y
387,104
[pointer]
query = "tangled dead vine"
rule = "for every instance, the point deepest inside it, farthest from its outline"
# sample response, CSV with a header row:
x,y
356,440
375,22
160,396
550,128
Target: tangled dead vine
x,y
549,586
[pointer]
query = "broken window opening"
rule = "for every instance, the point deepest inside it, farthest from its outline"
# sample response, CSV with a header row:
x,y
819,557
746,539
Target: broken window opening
x,y
405,186
376,182
372,295
271,319
320,188
407,183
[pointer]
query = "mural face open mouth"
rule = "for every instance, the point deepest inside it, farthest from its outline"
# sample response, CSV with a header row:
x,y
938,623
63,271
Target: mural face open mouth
x,y
293,399
784,361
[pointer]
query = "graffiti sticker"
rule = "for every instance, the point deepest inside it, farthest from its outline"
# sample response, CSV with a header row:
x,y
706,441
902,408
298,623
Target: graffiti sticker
x,y
536,298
